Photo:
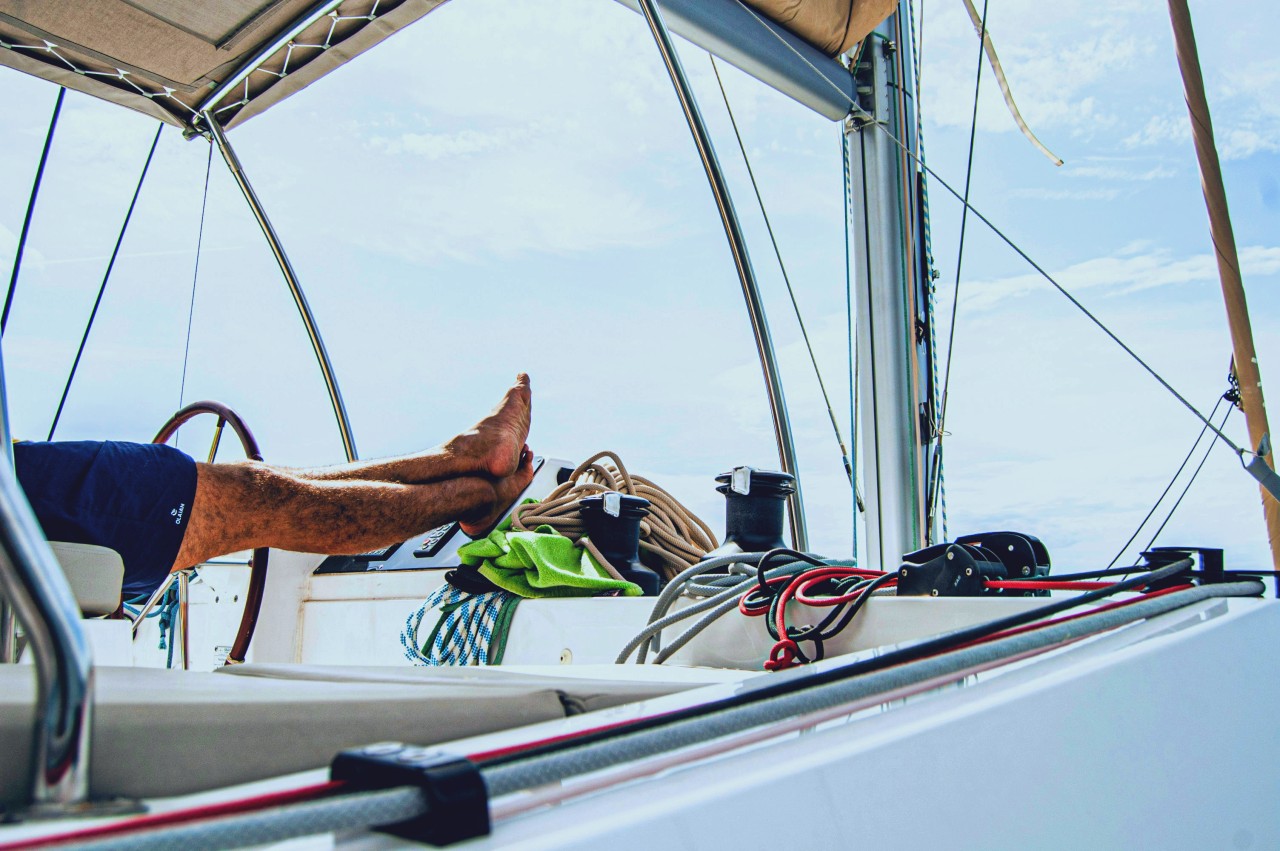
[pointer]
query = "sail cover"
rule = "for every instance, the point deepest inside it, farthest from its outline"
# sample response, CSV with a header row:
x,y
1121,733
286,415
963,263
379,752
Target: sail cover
x,y
173,59
832,26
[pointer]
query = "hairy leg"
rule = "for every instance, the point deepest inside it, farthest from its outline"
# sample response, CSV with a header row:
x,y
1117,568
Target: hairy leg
x,y
492,447
251,504
245,505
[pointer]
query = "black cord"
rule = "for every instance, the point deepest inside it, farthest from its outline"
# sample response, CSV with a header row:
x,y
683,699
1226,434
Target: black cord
x,y
1071,577
762,567
840,615
103,288
1192,481
31,206
770,687
869,587
1167,487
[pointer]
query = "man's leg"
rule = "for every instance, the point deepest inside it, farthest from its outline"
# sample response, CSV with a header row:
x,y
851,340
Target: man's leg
x,y
491,448
250,504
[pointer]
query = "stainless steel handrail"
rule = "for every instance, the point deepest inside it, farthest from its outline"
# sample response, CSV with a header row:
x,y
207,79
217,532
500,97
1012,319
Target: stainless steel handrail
x,y
295,287
8,633
35,586
742,260
8,621
38,595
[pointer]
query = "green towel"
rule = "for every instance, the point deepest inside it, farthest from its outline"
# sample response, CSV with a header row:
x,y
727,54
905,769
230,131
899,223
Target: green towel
x,y
541,563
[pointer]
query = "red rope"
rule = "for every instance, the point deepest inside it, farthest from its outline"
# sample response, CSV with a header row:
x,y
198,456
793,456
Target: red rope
x,y
225,808
1046,585
785,653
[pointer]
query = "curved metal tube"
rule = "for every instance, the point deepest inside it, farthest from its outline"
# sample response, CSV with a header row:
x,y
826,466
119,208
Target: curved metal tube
x,y
38,591
8,620
295,288
270,49
741,259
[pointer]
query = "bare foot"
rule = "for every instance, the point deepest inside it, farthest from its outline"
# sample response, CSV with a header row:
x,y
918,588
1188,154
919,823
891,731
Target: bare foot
x,y
506,491
494,444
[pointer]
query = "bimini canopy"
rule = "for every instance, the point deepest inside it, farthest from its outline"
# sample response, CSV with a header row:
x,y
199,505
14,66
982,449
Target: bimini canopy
x,y
173,59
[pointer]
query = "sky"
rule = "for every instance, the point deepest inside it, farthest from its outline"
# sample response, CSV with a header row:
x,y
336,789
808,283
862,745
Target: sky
x,y
458,213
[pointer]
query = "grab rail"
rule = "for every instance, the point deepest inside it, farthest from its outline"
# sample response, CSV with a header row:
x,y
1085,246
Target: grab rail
x,y
35,592
36,588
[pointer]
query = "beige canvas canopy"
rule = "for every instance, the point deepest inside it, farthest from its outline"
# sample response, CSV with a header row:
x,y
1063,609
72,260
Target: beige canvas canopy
x,y
172,59
832,26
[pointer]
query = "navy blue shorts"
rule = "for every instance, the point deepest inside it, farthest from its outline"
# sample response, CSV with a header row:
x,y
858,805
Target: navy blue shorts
x,y
132,497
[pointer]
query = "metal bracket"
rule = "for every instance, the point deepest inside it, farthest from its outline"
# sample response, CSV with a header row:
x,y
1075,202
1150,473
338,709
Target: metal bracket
x,y
1258,467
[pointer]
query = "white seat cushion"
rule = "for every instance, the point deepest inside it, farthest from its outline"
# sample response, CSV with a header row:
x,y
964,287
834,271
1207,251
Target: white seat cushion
x,y
96,575
159,732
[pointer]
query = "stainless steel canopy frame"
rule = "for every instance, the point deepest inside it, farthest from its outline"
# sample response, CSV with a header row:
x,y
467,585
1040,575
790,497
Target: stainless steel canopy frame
x,y
291,278
742,260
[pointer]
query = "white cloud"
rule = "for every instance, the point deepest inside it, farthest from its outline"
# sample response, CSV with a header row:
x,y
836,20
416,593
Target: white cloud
x,y
1239,143
1123,272
1052,67
434,146
1041,194
1161,130
1080,71
1112,172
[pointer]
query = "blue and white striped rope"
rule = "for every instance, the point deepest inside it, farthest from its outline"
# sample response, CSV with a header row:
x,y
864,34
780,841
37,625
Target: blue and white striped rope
x,y
465,632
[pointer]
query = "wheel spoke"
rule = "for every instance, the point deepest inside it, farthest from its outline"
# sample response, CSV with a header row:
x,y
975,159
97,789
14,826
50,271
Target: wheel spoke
x,y
217,438
258,563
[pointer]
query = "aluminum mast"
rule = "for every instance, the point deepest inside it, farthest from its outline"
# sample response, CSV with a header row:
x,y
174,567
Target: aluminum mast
x,y
891,304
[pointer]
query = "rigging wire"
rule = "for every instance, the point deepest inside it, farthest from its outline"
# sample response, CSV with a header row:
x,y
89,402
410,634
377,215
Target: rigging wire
x,y
31,206
855,376
777,252
1040,270
955,299
852,347
936,506
918,52
195,275
97,302
1167,488
1190,482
